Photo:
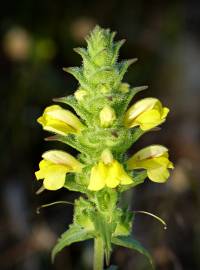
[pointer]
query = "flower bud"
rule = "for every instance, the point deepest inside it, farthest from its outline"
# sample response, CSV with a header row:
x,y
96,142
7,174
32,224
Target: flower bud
x,y
107,156
124,87
80,94
104,88
107,116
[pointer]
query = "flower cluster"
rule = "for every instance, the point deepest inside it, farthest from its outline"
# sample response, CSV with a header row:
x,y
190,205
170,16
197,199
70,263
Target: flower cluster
x,y
102,128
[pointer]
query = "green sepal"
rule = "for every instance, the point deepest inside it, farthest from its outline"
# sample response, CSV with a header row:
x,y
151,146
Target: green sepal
x,y
87,61
124,222
70,140
72,185
130,242
74,234
83,211
132,92
136,133
77,72
123,66
106,200
117,45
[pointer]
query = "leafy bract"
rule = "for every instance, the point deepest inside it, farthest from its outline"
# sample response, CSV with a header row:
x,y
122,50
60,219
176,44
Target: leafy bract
x,y
130,242
74,234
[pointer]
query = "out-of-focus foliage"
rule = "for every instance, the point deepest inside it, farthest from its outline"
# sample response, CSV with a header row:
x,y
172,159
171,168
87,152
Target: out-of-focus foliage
x,y
37,38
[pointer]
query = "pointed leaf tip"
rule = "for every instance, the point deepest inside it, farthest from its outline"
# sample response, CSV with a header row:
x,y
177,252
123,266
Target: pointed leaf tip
x,y
130,242
60,99
74,234
131,61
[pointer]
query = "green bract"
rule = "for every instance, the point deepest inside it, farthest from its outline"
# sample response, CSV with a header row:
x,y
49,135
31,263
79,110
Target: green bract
x,y
102,130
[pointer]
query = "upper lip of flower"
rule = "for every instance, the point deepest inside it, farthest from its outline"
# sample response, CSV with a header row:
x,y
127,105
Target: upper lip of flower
x,y
59,120
63,158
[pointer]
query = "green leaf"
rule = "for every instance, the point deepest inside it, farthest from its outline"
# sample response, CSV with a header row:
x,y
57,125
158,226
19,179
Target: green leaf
x,y
77,72
130,242
72,185
70,140
74,234
129,96
117,45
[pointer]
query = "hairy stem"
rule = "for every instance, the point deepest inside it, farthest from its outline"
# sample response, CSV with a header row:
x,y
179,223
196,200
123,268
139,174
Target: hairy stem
x,y
98,254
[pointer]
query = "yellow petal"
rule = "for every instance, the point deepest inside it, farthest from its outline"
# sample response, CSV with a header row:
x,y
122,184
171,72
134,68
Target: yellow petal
x,y
52,108
55,177
97,177
146,113
136,109
65,116
125,179
159,175
149,119
58,127
147,153
117,175
171,165
165,112
41,120
43,165
61,157
152,163
59,120
158,106
112,179
50,124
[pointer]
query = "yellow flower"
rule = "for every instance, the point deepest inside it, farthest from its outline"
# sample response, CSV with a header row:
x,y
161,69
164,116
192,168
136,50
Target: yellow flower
x,y
60,121
155,160
146,113
108,173
54,166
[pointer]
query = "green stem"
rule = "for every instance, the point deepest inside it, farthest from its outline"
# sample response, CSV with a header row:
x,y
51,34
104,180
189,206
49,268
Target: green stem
x,y
98,254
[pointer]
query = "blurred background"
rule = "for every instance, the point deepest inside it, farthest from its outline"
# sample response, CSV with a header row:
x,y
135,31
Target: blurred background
x,y
37,40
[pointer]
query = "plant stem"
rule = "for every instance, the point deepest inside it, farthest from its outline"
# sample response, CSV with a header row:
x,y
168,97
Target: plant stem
x,y
98,254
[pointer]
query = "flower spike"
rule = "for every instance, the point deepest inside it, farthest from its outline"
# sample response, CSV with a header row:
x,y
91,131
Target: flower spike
x,y
101,130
